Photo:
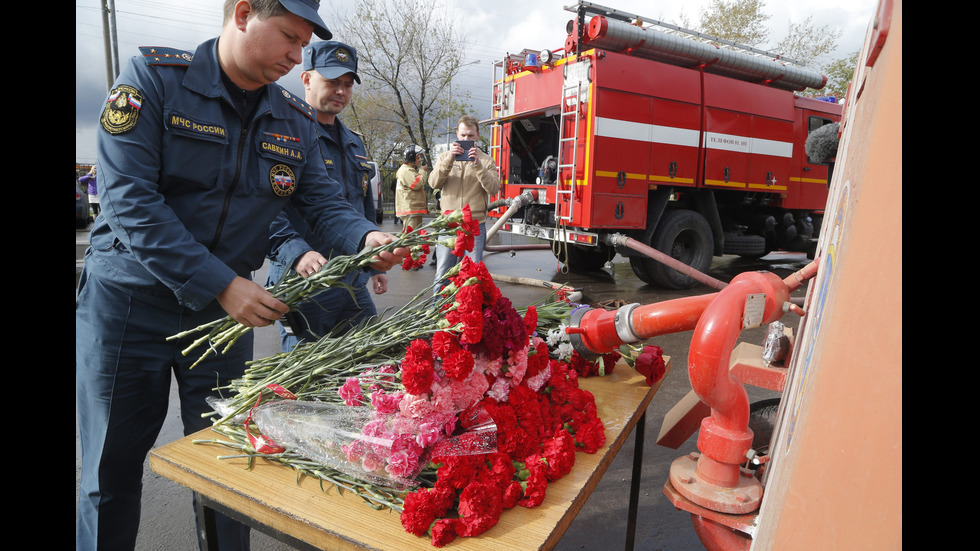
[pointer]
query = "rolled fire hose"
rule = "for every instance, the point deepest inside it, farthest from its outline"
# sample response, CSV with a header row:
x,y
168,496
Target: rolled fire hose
x,y
572,294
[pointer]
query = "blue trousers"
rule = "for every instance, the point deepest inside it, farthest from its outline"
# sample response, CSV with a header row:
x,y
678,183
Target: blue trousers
x,y
333,308
123,369
446,259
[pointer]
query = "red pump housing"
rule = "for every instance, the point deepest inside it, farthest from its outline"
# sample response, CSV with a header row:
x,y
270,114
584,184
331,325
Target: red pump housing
x,y
713,479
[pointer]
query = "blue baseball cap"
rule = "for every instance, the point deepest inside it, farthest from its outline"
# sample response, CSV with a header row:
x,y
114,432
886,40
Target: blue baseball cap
x,y
331,59
307,9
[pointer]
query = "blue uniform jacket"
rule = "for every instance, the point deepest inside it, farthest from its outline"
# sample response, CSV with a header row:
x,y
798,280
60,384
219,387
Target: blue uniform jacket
x,y
189,190
345,162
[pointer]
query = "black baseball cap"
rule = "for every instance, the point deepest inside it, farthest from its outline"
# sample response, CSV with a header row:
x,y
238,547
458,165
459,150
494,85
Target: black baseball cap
x,y
307,9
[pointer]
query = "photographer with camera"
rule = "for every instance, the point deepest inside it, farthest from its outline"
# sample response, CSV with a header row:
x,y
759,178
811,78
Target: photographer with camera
x,y
465,175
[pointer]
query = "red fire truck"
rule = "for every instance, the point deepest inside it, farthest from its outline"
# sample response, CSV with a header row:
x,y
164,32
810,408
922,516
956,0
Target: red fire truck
x,y
643,129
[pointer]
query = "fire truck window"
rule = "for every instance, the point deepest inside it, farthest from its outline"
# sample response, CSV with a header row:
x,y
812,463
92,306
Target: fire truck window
x,y
532,140
813,124
816,122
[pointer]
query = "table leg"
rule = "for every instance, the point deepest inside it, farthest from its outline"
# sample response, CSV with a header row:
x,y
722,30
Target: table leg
x,y
207,530
638,433
207,533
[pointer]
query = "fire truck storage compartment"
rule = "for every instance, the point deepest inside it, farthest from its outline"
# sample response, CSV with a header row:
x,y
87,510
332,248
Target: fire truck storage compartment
x,y
531,163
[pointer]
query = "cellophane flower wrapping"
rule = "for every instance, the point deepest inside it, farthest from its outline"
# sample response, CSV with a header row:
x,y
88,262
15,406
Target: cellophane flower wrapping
x,y
378,447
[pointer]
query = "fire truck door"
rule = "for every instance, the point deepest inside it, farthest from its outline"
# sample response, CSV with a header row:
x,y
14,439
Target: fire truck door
x,y
771,155
811,192
674,158
726,148
621,159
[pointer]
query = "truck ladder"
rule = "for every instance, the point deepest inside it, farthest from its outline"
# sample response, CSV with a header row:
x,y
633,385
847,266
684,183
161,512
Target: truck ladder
x,y
496,139
497,104
568,149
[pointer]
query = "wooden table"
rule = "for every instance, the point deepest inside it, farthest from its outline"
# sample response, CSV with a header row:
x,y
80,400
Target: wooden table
x,y
271,499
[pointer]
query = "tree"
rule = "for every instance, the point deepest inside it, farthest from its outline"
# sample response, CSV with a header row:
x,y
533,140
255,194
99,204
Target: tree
x,y
370,114
741,21
806,43
839,74
744,22
408,54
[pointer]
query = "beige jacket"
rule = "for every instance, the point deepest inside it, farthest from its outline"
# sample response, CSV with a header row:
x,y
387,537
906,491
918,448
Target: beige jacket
x,y
465,182
410,197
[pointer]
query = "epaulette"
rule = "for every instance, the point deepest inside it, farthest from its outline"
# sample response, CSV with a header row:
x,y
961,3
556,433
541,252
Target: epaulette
x,y
156,55
299,104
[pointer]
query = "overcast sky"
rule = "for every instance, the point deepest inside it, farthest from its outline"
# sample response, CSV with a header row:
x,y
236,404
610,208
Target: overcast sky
x,y
493,28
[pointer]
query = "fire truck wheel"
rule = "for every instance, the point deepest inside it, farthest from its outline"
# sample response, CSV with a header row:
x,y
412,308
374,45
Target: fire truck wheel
x,y
684,235
639,265
747,246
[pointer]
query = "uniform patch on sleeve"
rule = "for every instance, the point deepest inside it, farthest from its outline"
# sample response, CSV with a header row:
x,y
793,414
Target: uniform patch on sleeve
x,y
122,109
283,180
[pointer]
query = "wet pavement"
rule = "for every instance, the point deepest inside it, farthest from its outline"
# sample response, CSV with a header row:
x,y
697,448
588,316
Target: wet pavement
x,y
167,518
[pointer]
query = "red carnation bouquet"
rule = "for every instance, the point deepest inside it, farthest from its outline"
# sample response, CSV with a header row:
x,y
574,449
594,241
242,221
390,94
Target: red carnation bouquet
x,y
469,408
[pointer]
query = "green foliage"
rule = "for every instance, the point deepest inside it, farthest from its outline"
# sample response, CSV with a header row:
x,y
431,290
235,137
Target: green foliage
x,y
839,73
806,43
741,21
745,22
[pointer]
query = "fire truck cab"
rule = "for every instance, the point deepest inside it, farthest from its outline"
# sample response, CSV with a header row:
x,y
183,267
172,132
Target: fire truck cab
x,y
638,129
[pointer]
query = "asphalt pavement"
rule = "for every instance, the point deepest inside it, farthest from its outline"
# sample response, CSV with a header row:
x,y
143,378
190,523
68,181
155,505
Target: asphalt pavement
x,y
167,517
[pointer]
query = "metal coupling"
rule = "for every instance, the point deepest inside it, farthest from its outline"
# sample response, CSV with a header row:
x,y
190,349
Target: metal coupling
x,y
624,323
615,239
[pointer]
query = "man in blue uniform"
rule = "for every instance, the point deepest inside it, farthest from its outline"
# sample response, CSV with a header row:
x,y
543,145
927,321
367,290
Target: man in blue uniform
x,y
198,155
329,74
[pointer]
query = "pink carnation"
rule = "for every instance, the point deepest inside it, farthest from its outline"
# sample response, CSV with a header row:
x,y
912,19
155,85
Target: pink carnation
x,y
429,434
517,365
370,462
499,390
385,403
353,451
537,381
415,406
350,392
401,464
